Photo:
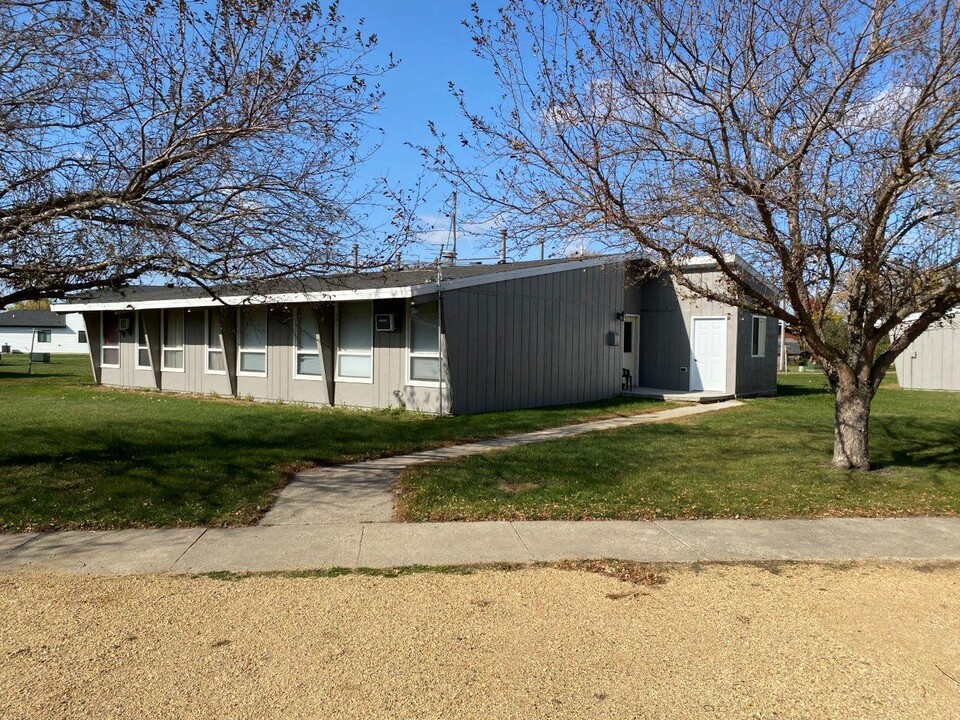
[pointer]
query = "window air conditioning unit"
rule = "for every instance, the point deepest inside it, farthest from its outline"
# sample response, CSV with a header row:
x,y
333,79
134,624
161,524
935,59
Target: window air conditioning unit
x,y
386,322
124,324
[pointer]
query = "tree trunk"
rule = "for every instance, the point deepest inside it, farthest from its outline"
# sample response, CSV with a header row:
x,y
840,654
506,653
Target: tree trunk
x,y
852,416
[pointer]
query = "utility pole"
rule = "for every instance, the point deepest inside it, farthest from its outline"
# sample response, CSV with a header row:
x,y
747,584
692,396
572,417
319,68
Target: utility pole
x,y
453,250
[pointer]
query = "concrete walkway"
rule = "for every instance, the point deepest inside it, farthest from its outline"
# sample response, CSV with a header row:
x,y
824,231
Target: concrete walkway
x,y
363,492
285,547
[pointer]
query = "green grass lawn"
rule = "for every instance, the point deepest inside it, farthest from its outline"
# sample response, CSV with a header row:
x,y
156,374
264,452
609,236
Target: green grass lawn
x,y
73,455
769,459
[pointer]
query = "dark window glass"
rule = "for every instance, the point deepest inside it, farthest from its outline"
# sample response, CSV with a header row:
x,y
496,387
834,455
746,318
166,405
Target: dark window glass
x,y
628,337
82,336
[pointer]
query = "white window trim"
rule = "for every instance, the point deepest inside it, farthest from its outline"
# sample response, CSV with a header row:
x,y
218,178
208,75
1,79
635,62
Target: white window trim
x,y
138,346
262,349
104,346
296,350
762,342
46,331
206,346
163,343
411,355
337,376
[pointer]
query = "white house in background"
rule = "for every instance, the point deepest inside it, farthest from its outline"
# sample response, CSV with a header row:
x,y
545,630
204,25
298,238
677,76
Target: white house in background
x,y
49,332
932,362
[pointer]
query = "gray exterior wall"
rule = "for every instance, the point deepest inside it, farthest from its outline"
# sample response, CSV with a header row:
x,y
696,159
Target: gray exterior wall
x,y
388,388
535,341
932,362
756,375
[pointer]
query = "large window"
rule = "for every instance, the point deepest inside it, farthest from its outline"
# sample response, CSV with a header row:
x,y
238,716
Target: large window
x,y
355,342
425,343
307,350
43,336
172,340
110,340
252,341
216,362
758,341
143,347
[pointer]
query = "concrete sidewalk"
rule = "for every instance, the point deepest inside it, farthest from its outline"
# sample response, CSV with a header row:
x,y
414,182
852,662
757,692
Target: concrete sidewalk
x,y
389,545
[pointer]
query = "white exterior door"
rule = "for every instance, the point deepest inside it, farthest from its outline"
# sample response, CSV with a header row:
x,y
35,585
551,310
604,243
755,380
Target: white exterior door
x,y
708,361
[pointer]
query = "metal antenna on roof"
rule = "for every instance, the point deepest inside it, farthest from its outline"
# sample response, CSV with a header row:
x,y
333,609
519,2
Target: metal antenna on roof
x,y
356,257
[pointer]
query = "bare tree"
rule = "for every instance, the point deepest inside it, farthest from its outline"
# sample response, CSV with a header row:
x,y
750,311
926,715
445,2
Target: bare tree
x,y
817,139
206,142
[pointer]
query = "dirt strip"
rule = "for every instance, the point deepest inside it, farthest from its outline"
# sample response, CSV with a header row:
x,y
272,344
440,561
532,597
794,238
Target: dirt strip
x,y
716,641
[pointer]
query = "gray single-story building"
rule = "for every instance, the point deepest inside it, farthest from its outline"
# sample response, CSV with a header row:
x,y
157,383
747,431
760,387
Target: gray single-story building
x,y
932,361
501,337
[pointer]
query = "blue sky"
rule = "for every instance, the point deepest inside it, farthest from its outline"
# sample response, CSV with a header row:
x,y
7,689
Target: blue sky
x,y
434,48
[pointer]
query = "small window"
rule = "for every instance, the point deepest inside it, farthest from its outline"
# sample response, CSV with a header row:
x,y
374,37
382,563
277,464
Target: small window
x,y
628,336
43,336
172,340
143,347
253,341
110,340
307,348
82,337
216,362
355,341
758,346
425,343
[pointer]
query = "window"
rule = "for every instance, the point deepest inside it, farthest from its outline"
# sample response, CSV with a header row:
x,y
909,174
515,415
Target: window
x,y
216,362
253,342
82,337
43,336
758,342
143,348
355,341
307,361
425,343
628,336
110,340
172,340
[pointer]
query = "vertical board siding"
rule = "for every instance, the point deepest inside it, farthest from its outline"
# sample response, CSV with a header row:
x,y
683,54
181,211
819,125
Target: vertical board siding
x,y
756,375
535,341
932,361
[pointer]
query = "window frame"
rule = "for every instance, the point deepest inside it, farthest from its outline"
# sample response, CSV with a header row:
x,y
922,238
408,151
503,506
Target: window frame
x,y
258,349
145,346
163,342
758,339
353,353
207,314
45,336
103,343
297,352
412,354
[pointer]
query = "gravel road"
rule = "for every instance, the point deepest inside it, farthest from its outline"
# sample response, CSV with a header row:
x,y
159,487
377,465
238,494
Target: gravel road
x,y
794,641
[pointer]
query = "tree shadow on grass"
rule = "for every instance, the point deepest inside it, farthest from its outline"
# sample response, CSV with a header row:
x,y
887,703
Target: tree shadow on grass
x,y
933,444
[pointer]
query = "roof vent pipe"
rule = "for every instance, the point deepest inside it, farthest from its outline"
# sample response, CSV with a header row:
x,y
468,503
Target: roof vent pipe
x,y
503,246
356,257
